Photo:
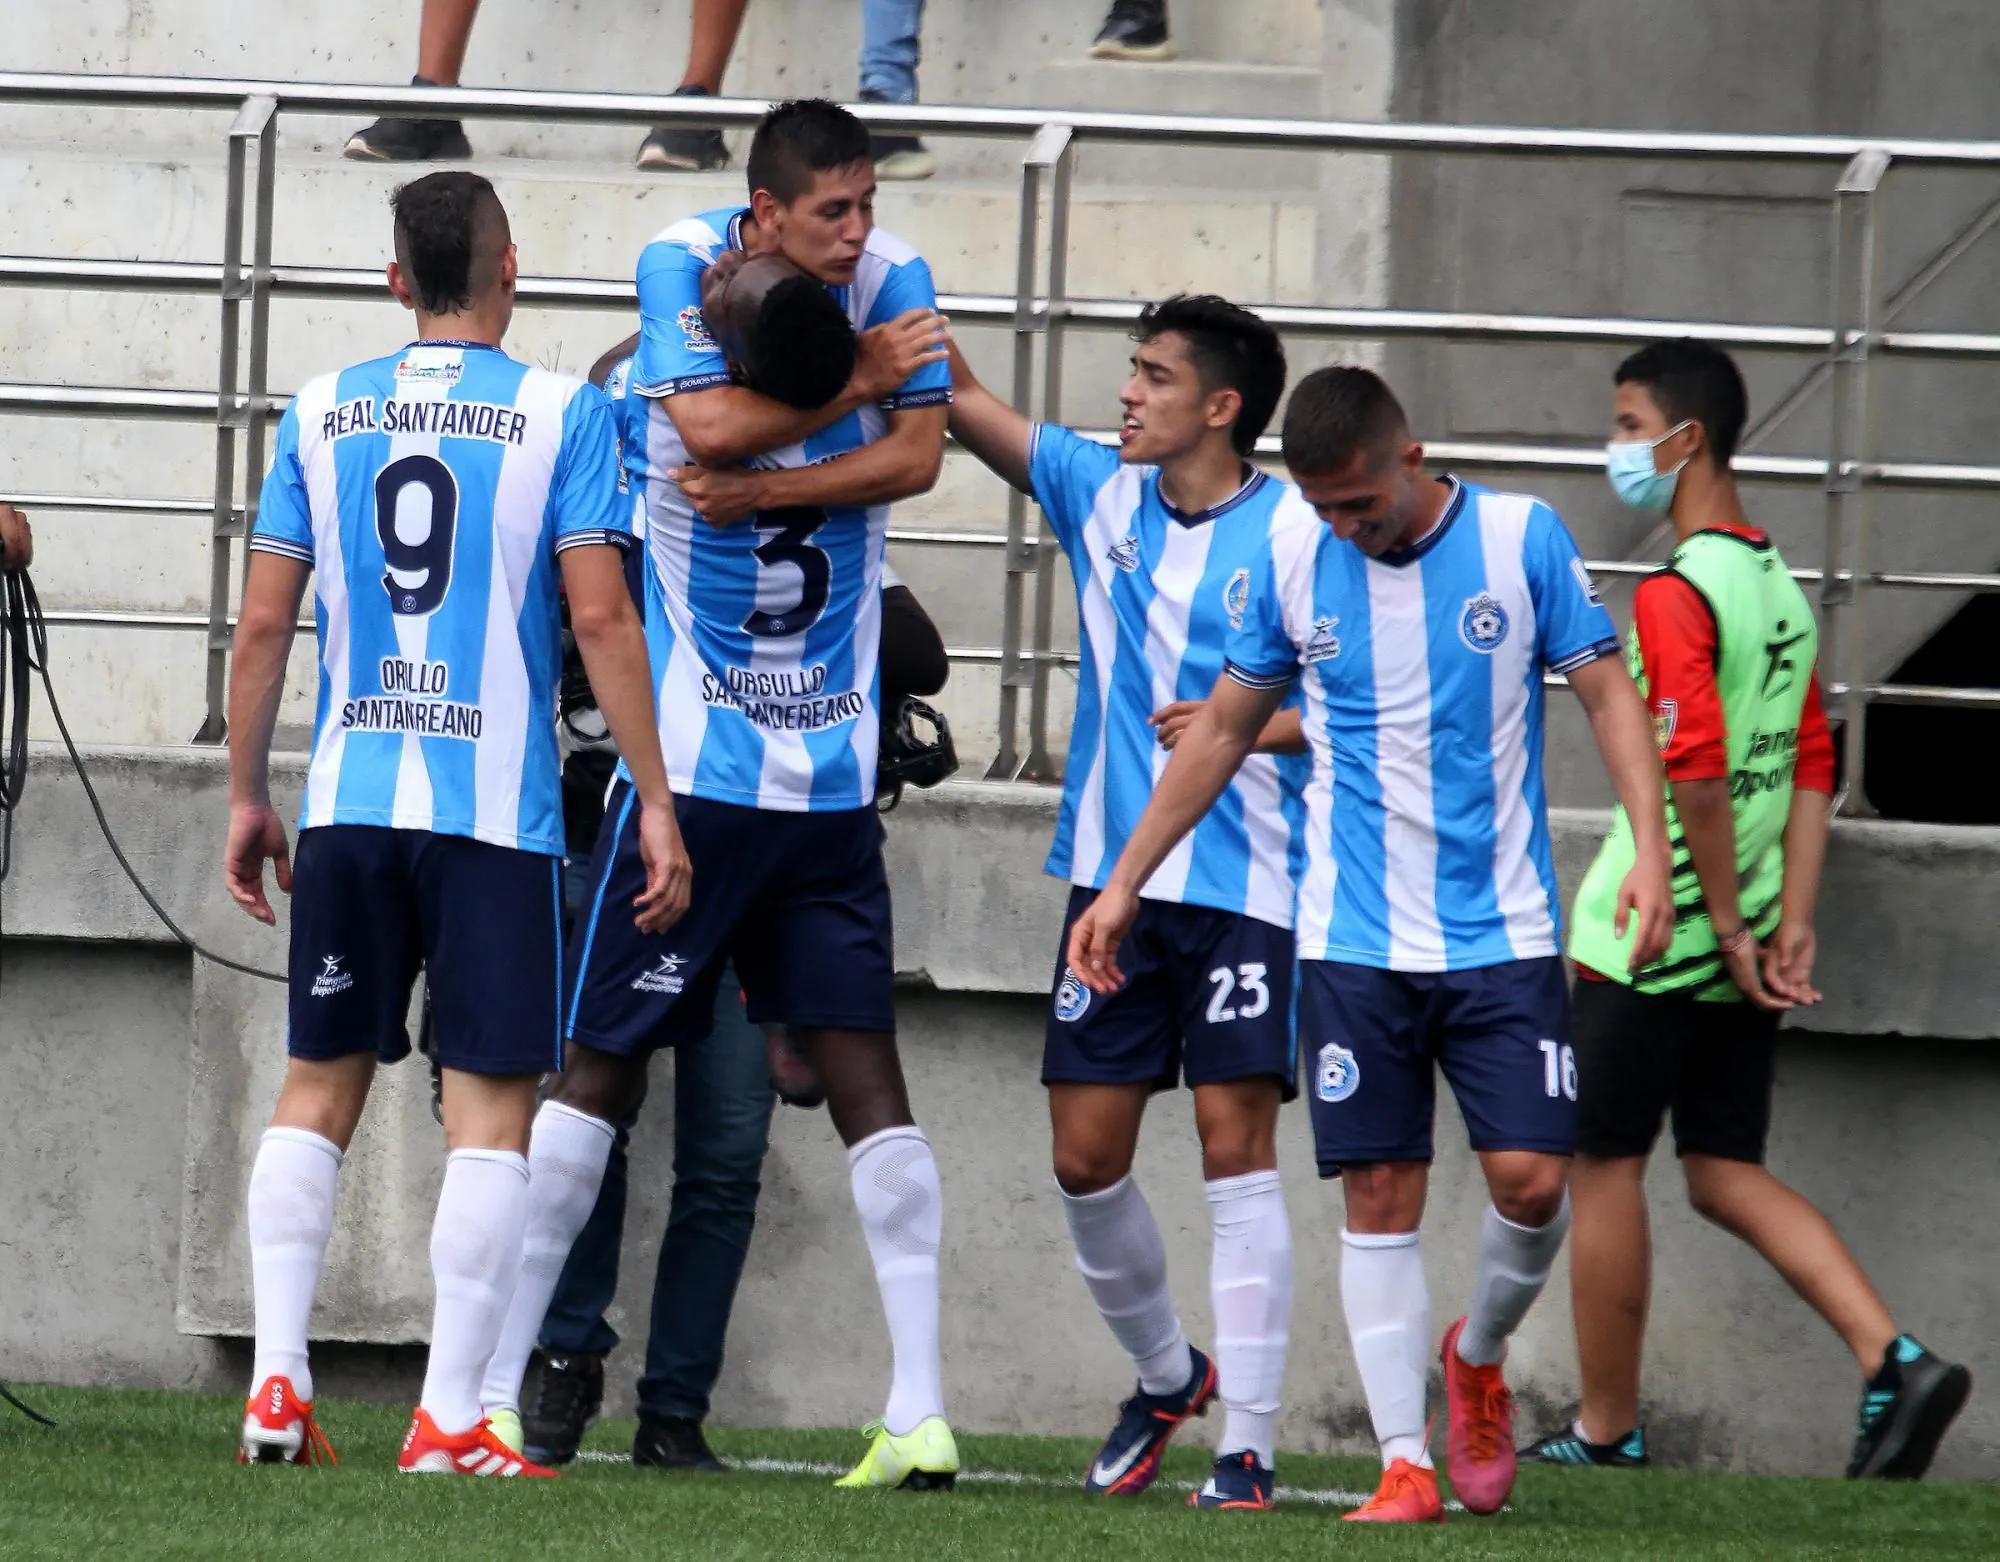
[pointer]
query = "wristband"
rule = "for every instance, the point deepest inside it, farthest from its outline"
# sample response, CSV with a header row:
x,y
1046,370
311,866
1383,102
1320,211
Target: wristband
x,y
1736,940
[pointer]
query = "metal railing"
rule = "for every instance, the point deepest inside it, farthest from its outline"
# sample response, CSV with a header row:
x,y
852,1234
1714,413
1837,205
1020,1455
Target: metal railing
x,y
1845,348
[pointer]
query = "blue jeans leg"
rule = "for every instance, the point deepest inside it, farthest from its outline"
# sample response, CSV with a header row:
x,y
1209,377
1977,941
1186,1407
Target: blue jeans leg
x,y
889,49
575,1322
722,1126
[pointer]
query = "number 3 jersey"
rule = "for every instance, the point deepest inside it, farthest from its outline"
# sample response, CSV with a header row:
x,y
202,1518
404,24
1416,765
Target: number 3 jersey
x,y
431,491
764,635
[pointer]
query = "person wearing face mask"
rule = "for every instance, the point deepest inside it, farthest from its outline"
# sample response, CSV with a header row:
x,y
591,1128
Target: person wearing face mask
x,y
1723,646
1417,615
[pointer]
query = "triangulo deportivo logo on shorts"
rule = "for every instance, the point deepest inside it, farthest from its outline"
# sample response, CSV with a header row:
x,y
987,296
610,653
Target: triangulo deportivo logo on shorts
x,y
1072,997
1484,623
1338,1075
332,979
664,977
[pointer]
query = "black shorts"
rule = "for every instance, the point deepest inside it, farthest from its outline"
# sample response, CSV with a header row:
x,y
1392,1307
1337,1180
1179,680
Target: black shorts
x,y
1642,1055
371,906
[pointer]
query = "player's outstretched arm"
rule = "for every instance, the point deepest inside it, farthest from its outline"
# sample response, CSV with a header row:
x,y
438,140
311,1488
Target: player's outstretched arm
x,y
272,590
993,431
1284,733
1209,753
1624,733
613,643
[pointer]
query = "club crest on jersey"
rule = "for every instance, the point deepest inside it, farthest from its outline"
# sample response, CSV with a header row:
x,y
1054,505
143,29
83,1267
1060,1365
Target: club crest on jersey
x,y
1124,553
663,978
331,979
1338,1075
1072,997
694,331
1236,597
1666,717
1483,625
1324,644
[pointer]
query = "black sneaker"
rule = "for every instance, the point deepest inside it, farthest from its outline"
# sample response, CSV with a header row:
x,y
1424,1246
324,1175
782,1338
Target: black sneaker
x,y
394,140
673,1443
1905,1410
1572,1447
567,1399
1134,30
898,157
684,147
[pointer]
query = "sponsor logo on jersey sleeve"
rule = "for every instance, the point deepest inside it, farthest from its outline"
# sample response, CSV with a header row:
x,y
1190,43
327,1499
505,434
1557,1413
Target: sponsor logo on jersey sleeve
x,y
1590,592
1666,717
1236,597
694,331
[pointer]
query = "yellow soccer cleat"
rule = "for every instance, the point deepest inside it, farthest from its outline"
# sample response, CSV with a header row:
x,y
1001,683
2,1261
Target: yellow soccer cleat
x,y
923,1459
506,1426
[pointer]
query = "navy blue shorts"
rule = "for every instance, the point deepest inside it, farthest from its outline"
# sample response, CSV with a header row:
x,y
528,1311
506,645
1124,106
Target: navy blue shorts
x,y
1371,1038
1207,997
372,906
800,901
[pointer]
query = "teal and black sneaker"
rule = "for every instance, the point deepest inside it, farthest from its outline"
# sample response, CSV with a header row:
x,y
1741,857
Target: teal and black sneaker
x,y
1905,1410
1570,1446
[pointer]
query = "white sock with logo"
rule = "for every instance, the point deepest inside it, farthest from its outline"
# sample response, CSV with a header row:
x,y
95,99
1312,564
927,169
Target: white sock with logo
x,y
1250,1281
1514,1264
292,1187
1388,1305
1124,1262
566,1156
901,1203
475,1261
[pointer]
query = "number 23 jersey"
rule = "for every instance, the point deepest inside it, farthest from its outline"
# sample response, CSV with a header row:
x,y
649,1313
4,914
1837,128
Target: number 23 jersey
x,y
764,635
431,491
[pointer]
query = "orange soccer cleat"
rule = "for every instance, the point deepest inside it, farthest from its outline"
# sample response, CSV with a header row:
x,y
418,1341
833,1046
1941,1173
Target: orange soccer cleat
x,y
427,1451
1408,1495
278,1428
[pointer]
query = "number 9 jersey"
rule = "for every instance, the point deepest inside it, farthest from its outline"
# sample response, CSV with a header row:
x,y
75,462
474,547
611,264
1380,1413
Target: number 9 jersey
x,y
764,635
431,491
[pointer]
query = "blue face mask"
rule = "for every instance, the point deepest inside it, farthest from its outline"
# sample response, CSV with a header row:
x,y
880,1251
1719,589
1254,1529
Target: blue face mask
x,y
1628,463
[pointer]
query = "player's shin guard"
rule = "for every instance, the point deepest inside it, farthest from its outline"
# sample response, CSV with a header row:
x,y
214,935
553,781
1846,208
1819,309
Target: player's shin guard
x,y
901,1204
1514,1264
475,1257
1388,1305
566,1157
292,1189
1124,1262
1251,1284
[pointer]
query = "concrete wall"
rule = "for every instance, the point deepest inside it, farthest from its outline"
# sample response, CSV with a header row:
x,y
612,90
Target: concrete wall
x,y
140,1087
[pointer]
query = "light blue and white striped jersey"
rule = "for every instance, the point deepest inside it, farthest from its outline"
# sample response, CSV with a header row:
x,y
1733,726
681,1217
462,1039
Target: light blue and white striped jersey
x,y
764,635
1427,833
431,491
1157,594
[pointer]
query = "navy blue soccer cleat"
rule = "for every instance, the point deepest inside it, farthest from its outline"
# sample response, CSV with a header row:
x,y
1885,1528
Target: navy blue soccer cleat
x,y
1239,1481
1130,1458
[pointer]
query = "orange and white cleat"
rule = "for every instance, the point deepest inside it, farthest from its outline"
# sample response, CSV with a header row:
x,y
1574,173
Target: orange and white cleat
x,y
480,1451
278,1428
1408,1495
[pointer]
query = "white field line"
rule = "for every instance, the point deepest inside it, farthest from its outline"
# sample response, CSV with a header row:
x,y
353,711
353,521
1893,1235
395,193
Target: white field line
x,y
1333,1497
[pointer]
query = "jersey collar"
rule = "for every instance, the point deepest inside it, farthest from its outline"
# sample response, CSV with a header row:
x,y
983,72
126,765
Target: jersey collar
x,y
1398,557
1254,481
451,341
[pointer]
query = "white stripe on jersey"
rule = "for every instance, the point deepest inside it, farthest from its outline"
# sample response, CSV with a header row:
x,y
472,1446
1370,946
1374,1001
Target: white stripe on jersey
x,y
1183,559
1523,901
415,806
330,587
1403,764
1109,517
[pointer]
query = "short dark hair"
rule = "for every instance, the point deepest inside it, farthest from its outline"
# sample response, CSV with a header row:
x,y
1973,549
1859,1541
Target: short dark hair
x,y
447,225
1690,378
801,138
1231,349
802,348
1338,413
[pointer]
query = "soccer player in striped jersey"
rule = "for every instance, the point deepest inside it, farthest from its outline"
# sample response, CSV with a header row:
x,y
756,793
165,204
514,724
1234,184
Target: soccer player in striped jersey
x,y
1162,535
765,525
436,494
1419,620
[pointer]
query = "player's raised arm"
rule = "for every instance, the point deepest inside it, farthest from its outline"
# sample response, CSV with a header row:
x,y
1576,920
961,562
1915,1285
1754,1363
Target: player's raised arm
x,y
998,435
1209,753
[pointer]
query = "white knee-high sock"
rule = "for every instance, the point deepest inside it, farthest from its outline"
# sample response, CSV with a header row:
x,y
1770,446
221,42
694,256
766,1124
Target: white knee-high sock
x,y
566,1156
1388,1306
292,1187
1250,1280
1124,1262
897,1195
475,1260
1514,1263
